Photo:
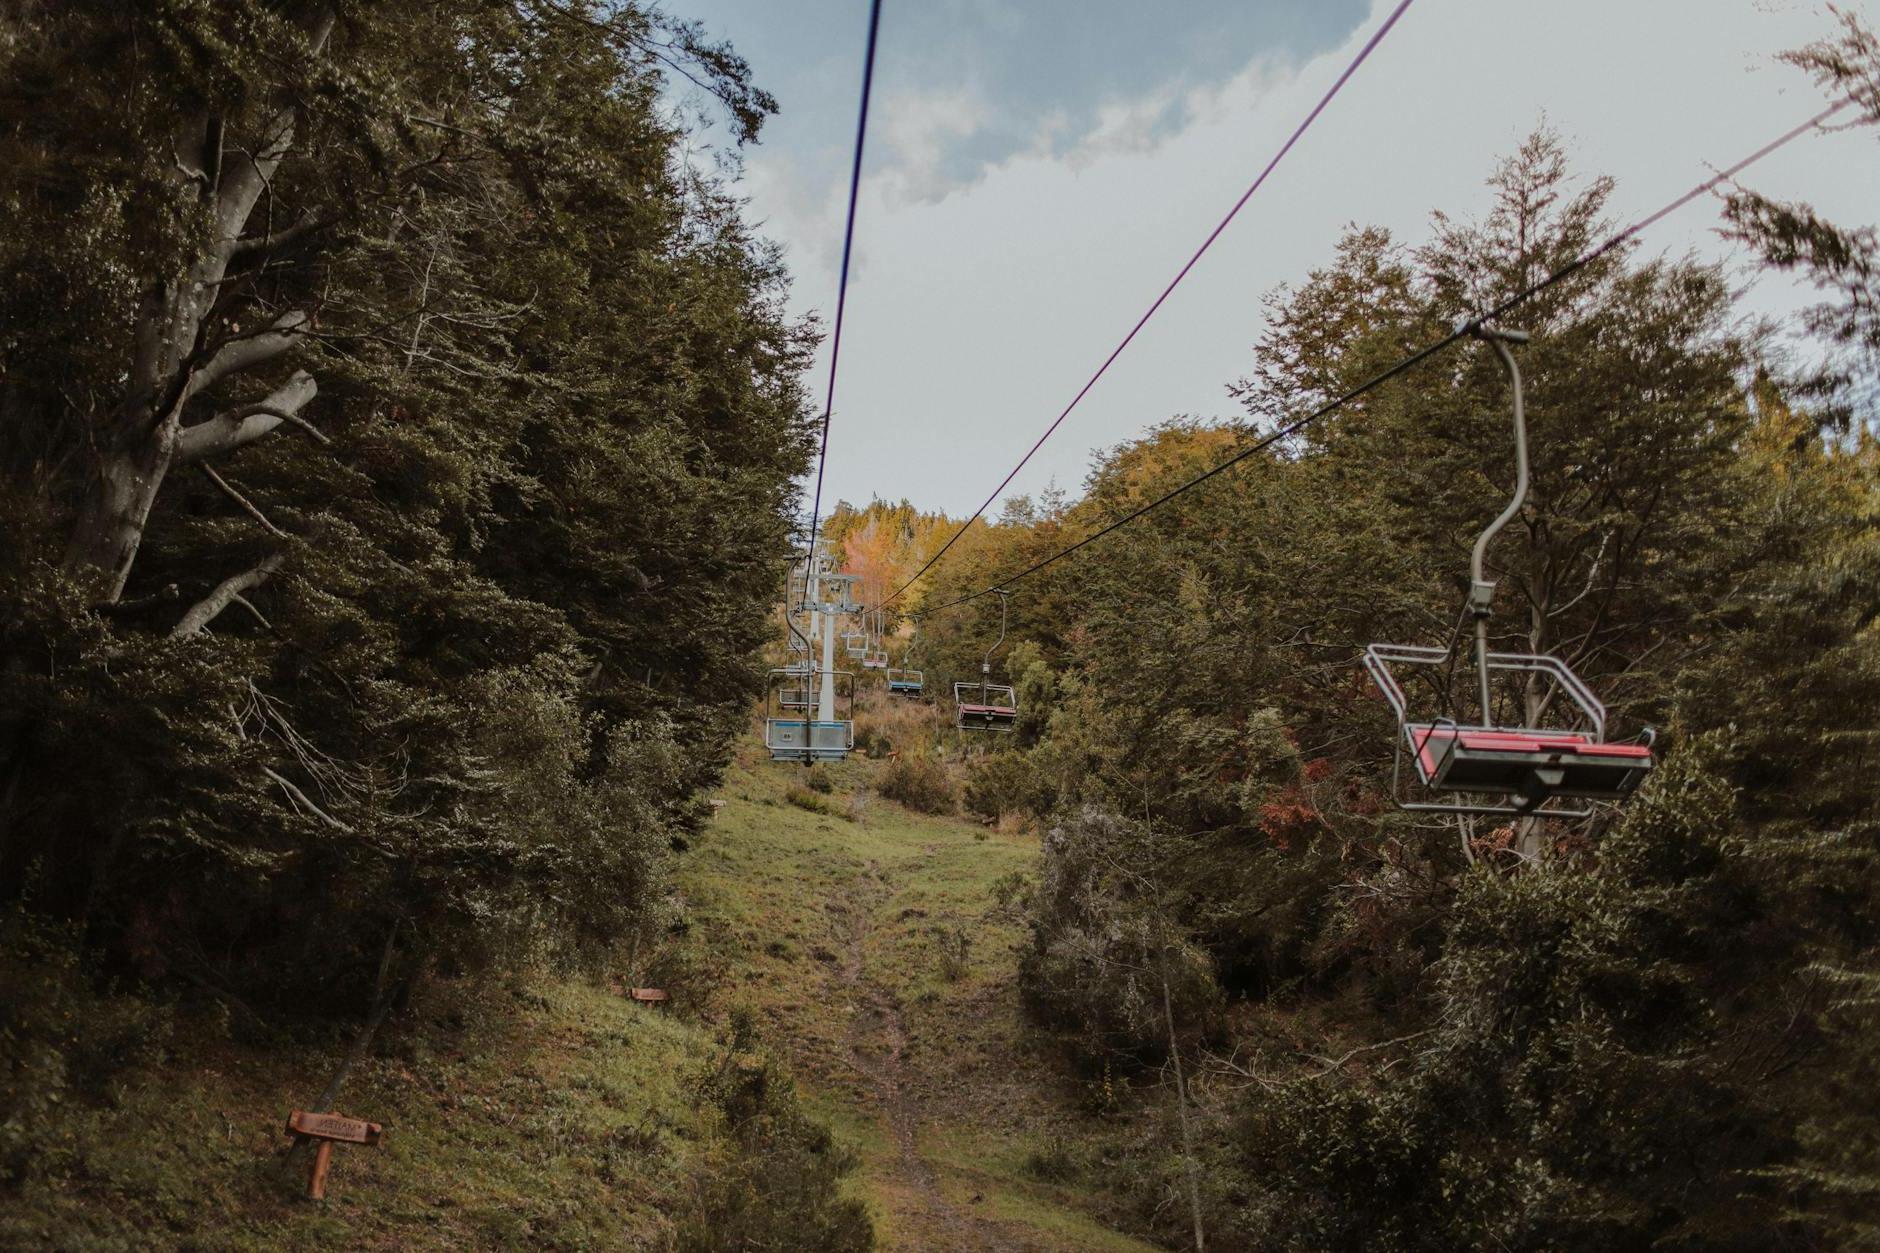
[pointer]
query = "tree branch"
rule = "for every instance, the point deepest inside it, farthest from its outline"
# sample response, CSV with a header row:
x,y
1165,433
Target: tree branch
x,y
300,799
309,222
206,610
247,506
246,423
249,351
249,605
163,595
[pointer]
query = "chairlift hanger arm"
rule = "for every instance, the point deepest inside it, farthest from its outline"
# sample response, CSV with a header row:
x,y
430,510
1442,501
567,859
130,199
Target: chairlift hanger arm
x,y
1481,591
985,666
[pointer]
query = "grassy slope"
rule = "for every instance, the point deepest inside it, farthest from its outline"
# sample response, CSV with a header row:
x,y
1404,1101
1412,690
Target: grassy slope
x,y
559,1115
562,1124
837,925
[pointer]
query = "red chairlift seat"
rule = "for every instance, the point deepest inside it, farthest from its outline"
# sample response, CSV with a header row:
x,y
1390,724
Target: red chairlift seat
x,y
1532,765
1520,768
984,707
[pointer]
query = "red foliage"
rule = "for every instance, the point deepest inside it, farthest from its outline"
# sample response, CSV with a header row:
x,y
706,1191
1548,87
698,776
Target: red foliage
x,y
1287,816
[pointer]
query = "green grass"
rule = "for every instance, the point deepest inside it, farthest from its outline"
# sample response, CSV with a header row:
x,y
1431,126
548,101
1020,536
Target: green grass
x,y
807,912
562,1123
556,1114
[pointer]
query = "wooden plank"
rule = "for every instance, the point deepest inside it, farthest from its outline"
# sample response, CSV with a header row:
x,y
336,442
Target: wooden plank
x,y
334,1127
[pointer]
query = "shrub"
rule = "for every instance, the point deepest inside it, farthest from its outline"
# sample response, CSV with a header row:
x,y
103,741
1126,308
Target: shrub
x,y
805,799
60,1040
920,783
999,784
1102,953
777,1184
872,743
1053,1161
955,953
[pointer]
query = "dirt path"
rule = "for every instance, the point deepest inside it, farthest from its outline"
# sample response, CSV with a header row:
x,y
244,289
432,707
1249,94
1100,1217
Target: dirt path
x,y
869,942
877,1044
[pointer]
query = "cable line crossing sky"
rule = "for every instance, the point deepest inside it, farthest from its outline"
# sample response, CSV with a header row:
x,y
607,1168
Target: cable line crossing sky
x,y
1414,359
1034,171
1338,84
842,284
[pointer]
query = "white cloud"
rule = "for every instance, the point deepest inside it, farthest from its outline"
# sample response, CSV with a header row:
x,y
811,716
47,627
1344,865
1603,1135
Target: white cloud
x,y
921,133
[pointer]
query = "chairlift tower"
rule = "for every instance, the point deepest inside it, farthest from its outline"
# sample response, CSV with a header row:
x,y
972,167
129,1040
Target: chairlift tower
x,y
818,732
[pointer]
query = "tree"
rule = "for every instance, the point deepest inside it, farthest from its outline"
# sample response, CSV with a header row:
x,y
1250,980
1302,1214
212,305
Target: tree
x,y
1843,262
493,416
1620,1038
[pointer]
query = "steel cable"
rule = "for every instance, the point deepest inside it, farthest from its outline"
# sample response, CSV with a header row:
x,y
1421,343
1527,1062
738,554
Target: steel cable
x,y
1462,331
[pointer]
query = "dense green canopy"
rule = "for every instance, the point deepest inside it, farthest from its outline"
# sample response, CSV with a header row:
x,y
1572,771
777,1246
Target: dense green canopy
x,y
399,438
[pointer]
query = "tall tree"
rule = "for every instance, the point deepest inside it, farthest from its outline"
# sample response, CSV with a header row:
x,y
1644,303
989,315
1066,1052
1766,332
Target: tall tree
x,y
492,415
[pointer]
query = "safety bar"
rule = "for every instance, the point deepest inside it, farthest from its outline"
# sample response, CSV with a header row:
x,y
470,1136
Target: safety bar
x,y
1378,659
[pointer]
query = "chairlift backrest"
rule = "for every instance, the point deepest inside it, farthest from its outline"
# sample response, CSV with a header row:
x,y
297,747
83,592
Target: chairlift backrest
x,y
792,732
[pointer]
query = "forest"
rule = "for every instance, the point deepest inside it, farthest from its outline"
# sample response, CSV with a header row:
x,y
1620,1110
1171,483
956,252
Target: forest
x,y
405,449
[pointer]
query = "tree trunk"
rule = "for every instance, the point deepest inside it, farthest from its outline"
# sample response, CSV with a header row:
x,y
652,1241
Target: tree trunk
x,y
1181,1106
111,521
171,362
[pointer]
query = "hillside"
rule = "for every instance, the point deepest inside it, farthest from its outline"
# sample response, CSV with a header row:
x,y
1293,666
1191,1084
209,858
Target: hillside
x,y
1421,800
871,942
868,943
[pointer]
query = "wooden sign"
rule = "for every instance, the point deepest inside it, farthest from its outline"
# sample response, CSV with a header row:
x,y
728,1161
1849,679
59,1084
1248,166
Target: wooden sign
x,y
333,1127
650,995
328,1130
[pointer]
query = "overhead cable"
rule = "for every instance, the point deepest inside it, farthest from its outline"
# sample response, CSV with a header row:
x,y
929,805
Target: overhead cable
x,y
842,285
1299,131
1462,331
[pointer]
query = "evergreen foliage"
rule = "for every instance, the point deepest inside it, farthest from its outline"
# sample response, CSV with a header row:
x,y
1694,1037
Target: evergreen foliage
x,y
399,438
1633,1032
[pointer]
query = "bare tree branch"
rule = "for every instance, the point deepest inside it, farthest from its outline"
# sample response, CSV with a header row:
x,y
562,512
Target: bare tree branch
x,y
302,800
249,605
310,221
246,423
247,506
249,351
206,610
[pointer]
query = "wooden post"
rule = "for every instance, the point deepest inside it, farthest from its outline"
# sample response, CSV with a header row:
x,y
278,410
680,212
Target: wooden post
x,y
328,1130
316,1179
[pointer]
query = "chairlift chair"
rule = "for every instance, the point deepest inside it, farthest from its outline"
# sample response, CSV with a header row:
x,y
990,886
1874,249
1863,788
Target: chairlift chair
x,y
1492,767
904,680
792,729
985,705
804,737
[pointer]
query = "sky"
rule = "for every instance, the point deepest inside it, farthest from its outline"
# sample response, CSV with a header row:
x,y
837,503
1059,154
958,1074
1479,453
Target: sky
x,y
1037,170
